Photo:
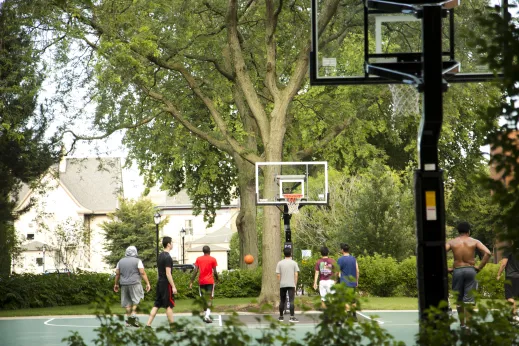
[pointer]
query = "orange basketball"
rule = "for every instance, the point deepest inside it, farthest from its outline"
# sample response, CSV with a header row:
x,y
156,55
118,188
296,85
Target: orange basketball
x,y
248,259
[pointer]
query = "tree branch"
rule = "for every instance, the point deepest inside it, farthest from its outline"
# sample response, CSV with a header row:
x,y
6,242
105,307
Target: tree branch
x,y
270,42
333,133
242,77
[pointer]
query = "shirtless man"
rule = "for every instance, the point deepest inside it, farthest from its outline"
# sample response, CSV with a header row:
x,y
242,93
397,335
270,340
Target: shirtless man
x,y
464,272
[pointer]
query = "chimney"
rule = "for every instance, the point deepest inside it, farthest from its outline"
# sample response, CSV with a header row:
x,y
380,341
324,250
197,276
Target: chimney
x,y
63,161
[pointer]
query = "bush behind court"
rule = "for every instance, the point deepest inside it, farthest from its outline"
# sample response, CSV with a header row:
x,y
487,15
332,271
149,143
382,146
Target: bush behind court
x,y
380,276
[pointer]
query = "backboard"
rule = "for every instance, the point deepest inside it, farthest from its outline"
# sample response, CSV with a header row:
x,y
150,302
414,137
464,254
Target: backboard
x,y
276,179
355,35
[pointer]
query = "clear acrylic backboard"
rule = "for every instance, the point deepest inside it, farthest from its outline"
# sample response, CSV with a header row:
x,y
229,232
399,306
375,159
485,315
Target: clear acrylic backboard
x,y
276,180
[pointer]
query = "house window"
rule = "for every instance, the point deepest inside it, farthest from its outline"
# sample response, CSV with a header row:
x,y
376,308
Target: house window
x,y
189,227
39,261
30,236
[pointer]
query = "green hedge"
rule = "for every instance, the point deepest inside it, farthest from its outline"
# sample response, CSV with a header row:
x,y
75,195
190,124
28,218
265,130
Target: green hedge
x,y
379,276
36,291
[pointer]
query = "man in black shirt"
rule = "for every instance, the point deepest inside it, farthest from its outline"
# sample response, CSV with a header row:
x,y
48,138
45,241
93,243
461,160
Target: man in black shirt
x,y
165,285
511,264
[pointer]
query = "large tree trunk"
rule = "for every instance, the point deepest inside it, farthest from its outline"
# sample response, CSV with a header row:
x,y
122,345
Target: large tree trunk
x,y
246,221
5,251
271,245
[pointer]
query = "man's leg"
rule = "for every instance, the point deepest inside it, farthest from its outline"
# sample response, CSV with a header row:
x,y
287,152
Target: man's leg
x,y
291,298
512,302
153,313
282,301
323,290
169,314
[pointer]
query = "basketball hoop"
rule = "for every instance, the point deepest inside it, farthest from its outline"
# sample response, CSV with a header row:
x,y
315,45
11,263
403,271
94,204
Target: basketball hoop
x,y
292,200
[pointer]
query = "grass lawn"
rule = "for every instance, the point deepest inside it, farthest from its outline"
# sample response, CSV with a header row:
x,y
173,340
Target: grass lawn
x,y
222,305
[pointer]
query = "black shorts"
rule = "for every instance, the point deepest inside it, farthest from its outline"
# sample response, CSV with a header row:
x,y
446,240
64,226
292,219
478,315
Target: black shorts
x,y
165,297
206,290
512,288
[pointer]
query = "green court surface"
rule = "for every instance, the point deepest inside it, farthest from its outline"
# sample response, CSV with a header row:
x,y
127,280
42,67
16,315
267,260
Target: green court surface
x,y
47,331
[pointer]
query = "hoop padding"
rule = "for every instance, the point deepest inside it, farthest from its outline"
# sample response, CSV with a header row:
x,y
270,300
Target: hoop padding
x,y
406,100
292,200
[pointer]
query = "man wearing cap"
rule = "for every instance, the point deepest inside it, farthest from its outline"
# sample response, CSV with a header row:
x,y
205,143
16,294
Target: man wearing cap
x,y
128,274
464,272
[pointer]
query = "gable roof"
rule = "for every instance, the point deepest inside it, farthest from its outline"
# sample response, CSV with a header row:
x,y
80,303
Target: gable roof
x,y
93,183
223,235
96,183
214,248
34,246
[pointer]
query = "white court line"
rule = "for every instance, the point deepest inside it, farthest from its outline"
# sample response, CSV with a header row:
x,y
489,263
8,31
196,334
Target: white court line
x,y
220,320
47,323
369,318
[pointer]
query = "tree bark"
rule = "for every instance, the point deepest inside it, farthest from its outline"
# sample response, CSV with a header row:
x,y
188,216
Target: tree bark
x,y
271,244
5,253
246,221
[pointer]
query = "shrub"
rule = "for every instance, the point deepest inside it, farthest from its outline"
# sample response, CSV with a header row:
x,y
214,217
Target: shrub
x,y
488,286
407,278
379,276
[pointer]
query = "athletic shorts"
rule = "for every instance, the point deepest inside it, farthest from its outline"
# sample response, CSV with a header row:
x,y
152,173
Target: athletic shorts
x,y
463,282
512,288
206,290
325,287
165,297
131,294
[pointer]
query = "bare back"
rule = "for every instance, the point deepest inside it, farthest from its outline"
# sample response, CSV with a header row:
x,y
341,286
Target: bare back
x,y
464,248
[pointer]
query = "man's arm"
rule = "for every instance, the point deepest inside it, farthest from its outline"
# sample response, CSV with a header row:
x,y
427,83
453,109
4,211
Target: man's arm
x,y
358,273
296,275
116,283
504,261
145,277
447,246
170,280
481,247
215,274
315,279
193,277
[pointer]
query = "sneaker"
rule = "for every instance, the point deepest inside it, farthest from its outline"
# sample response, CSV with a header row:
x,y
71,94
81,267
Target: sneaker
x,y
133,321
281,318
208,320
175,329
293,319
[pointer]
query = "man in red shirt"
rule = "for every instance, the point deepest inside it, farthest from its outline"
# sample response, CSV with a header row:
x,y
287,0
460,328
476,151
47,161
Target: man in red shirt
x,y
206,265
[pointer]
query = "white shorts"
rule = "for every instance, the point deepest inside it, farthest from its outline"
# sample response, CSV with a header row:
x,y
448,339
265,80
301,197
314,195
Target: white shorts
x,y
325,287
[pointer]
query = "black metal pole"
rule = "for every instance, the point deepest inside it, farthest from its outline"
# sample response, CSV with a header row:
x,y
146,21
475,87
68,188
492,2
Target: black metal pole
x,y
157,244
183,261
429,199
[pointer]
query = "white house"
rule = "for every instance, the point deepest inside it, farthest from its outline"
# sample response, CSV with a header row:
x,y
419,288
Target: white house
x,y
177,211
218,241
59,224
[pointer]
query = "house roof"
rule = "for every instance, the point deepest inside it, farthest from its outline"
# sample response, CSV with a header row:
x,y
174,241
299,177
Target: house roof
x,y
223,235
33,246
213,248
96,183
179,201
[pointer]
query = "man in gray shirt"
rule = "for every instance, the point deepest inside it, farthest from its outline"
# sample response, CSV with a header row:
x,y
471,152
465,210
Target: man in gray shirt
x,y
128,273
287,271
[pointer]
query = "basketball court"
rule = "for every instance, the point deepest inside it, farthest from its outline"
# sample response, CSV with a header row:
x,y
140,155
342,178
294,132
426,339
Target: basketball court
x,y
50,330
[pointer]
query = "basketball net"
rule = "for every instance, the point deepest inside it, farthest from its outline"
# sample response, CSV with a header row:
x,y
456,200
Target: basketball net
x,y
406,99
292,200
